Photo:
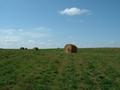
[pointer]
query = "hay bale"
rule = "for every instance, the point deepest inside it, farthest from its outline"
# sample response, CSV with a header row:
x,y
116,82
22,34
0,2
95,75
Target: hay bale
x,y
70,48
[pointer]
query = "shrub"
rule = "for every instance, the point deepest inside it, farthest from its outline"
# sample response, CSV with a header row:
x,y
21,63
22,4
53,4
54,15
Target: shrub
x,y
22,48
25,48
36,48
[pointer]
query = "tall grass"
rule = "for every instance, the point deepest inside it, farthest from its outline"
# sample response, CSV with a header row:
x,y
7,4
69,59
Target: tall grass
x,y
52,69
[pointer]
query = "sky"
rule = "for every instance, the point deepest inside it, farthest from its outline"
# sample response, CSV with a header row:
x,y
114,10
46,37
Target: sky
x,y
54,23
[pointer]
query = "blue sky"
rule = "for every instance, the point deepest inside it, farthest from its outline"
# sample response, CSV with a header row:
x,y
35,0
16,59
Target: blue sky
x,y
53,23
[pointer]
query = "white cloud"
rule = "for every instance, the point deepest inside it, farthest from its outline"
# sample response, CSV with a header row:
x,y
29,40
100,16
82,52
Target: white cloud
x,y
15,38
75,11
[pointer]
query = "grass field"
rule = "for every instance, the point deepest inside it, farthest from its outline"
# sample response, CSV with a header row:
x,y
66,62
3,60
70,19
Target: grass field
x,y
52,69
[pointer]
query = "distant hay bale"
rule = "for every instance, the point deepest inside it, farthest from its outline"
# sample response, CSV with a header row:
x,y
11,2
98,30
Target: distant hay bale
x,y
70,48
36,48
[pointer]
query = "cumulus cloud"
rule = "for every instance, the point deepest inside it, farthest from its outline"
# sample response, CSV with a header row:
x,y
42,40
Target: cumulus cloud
x,y
75,11
11,38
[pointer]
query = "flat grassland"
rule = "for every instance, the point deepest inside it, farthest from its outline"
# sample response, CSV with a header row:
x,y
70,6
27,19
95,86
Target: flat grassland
x,y
52,69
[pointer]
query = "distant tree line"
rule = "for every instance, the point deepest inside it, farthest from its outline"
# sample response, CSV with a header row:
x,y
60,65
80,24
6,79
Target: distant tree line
x,y
23,48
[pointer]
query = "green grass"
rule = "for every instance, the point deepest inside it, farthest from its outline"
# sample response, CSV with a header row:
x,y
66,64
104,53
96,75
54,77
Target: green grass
x,y
52,69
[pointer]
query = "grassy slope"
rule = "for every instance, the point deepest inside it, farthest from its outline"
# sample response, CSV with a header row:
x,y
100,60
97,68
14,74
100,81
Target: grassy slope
x,y
89,69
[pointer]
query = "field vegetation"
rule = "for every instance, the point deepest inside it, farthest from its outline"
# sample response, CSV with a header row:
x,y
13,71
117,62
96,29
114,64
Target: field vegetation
x,y
52,69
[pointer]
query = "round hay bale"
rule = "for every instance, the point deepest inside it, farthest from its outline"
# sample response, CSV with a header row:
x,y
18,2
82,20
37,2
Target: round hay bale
x,y
70,48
